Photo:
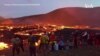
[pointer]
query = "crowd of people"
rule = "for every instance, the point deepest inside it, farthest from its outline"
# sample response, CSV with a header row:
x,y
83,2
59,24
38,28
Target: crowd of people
x,y
50,42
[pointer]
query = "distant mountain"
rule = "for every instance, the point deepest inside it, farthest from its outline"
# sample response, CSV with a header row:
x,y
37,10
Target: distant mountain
x,y
1,19
66,16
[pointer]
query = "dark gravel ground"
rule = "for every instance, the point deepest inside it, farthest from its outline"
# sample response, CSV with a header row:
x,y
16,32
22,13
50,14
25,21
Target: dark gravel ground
x,y
90,51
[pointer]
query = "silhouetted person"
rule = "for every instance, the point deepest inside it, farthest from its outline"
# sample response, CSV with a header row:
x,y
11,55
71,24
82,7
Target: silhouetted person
x,y
52,38
21,43
52,46
70,43
91,39
15,42
97,40
56,47
44,42
75,40
85,37
61,45
32,47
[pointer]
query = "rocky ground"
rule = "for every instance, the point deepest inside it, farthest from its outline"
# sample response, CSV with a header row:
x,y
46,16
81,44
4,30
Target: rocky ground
x,y
91,51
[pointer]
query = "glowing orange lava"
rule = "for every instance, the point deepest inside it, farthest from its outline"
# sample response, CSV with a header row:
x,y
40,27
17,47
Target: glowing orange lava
x,y
3,46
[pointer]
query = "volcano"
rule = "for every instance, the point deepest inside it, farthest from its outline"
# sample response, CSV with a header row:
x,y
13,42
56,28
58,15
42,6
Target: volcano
x,y
68,16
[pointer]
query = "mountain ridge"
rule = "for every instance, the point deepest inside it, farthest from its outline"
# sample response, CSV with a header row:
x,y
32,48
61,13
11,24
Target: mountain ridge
x,y
65,16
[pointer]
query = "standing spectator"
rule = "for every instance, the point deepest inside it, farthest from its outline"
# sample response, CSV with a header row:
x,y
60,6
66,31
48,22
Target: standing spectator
x,y
61,45
32,47
21,43
44,45
44,41
70,43
85,38
91,39
75,39
56,46
15,42
97,40
52,39
52,46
